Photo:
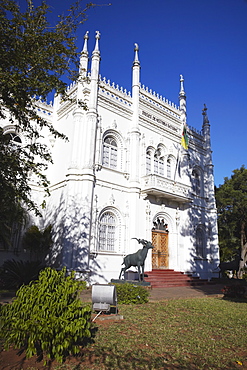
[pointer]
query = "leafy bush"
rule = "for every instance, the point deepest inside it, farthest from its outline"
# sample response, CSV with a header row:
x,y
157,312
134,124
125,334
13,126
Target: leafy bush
x,y
234,291
14,273
47,317
128,293
37,241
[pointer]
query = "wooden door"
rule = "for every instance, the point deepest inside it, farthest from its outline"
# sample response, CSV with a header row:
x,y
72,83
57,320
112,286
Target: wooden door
x,y
160,252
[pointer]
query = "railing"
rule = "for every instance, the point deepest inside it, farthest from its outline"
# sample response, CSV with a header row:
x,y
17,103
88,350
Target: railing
x,y
166,188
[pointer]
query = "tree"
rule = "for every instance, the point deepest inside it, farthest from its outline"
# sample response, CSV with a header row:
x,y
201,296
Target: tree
x,y
231,198
37,241
35,57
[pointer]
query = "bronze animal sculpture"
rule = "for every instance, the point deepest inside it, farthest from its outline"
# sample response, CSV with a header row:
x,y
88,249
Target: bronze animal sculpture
x,y
137,259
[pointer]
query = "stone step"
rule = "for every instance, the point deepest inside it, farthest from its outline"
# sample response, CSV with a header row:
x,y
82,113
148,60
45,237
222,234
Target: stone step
x,y
177,284
170,278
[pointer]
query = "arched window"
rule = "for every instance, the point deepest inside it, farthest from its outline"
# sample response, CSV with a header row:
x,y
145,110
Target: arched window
x,y
196,182
107,232
161,166
110,152
148,162
13,139
158,163
200,243
169,168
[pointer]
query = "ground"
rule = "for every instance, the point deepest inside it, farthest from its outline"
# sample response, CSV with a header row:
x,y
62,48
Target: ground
x,y
14,360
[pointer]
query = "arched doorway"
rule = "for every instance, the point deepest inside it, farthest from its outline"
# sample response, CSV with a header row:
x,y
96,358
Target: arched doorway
x,y
160,252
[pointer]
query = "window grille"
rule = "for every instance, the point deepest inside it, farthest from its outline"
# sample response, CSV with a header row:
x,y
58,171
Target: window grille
x,y
107,231
196,182
158,163
161,167
148,163
169,169
200,243
110,152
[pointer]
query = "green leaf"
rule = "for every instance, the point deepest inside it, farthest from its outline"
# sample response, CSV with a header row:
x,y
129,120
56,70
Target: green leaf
x,y
27,322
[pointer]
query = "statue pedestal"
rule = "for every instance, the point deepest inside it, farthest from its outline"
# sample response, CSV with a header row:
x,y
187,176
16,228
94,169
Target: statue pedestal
x,y
134,282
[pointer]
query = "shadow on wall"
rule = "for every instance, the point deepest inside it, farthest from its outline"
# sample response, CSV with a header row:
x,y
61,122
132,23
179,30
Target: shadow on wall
x,y
202,235
201,231
71,234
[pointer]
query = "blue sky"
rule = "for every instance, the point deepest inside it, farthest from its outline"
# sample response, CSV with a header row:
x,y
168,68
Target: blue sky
x,y
205,40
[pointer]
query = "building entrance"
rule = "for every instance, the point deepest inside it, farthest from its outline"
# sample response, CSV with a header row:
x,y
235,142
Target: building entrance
x,y
160,252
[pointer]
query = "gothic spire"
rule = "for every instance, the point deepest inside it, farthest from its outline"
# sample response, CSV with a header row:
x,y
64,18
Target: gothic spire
x,y
182,100
182,92
84,57
97,37
206,129
134,129
209,168
136,59
92,104
205,116
136,86
85,43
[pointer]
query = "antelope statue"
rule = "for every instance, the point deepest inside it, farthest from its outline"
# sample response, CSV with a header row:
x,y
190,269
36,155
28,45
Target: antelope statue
x,y
137,259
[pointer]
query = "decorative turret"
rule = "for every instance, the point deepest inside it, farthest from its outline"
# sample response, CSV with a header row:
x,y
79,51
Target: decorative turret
x,y
82,71
209,168
88,140
182,100
134,148
136,60
94,74
205,116
134,129
136,88
206,128
84,58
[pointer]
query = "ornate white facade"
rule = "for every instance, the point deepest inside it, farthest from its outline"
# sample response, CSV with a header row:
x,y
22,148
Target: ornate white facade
x,y
124,174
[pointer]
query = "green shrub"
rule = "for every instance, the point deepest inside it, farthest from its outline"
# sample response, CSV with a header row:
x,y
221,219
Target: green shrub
x,y
128,293
47,317
37,241
14,273
234,291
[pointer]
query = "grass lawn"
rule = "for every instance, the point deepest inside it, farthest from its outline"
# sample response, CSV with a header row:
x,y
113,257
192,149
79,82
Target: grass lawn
x,y
201,333
205,333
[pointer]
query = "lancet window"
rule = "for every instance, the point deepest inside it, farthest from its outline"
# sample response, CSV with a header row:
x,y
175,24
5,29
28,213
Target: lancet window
x,y
196,182
200,243
148,162
107,232
169,168
158,163
13,139
110,152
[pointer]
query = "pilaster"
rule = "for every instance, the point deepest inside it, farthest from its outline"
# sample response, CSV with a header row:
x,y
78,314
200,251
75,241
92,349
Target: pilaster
x,y
208,159
135,131
81,176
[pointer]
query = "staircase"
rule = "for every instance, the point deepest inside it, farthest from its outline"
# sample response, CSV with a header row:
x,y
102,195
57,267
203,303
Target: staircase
x,y
170,278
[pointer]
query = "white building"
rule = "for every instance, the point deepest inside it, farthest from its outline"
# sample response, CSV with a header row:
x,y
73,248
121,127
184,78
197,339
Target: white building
x,y
123,174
